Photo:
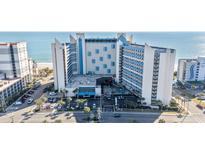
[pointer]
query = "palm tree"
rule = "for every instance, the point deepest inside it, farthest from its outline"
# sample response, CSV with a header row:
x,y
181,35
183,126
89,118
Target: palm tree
x,y
40,102
80,101
63,92
75,91
61,102
178,97
68,100
173,103
87,111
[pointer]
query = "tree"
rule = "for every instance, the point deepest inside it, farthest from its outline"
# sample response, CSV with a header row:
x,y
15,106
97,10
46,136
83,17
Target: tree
x,y
64,92
75,91
40,101
173,103
87,112
61,102
80,101
68,100
175,75
162,121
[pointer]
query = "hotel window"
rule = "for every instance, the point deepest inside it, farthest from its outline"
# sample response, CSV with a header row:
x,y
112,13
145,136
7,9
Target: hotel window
x,y
97,68
101,58
89,53
108,71
105,48
104,65
112,63
93,61
113,46
97,51
109,56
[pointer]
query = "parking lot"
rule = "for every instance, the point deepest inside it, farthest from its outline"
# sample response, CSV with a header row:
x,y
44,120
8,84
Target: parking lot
x,y
29,97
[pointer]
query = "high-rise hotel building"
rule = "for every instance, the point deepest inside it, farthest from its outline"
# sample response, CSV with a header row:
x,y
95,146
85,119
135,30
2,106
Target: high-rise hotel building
x,y
145,70
191,69
14,59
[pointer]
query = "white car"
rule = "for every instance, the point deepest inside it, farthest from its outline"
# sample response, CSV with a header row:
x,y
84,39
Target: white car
x,y
52,94
54,112
94,105
18,103
30,100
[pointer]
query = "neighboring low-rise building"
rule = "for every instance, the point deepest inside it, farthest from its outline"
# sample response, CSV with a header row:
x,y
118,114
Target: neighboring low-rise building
x,y
8,88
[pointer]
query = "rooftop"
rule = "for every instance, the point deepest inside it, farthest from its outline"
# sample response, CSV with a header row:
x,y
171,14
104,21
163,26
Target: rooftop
x,y
9,43
7,83
155,47
84,80
100,40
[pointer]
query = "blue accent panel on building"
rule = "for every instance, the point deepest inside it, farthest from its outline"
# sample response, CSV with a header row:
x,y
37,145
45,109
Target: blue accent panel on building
x,y
191,72
86,91
81,55
86,94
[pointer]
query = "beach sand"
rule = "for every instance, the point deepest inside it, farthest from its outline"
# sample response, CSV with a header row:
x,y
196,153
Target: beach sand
x,y
44,65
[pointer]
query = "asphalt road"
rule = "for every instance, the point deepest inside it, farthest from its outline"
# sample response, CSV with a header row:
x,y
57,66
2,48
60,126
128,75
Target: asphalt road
x,y
196,115
107,117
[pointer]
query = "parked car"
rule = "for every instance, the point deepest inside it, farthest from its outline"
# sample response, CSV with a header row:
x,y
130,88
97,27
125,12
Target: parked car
x,y
52,100
30,92
30,100
54,112
18,103
94,106
117,115
52,94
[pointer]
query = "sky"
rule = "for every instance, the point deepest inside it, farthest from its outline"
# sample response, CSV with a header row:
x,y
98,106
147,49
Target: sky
x,y
187,44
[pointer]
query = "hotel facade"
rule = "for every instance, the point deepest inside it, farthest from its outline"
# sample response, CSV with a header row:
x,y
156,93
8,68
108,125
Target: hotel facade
x,y
145,70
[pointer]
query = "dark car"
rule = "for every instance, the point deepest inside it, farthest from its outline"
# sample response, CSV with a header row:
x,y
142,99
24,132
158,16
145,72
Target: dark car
x,y
31,92
144,107
117,115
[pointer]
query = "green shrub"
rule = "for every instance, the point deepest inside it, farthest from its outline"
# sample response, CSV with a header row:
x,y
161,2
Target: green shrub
x,y
162,121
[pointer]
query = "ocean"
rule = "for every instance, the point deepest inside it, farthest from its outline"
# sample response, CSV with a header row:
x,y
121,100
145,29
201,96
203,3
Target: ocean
x,y
187,44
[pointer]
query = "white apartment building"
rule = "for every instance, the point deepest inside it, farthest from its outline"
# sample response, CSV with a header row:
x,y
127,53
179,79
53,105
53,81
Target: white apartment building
x,y
14,59
145,70
191,69
14,68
